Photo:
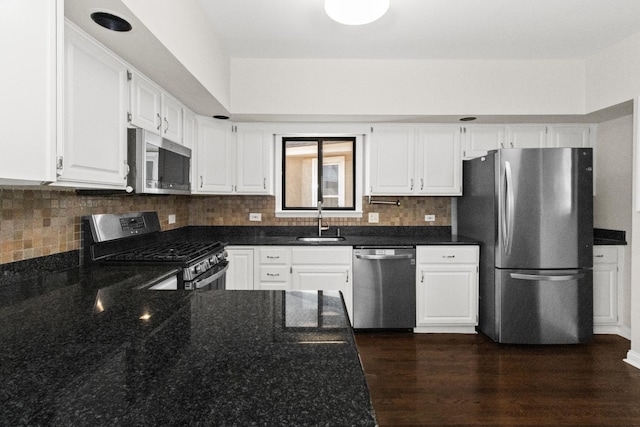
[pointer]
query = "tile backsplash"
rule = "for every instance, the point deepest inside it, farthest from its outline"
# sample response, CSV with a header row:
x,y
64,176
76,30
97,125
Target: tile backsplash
x,y
36,222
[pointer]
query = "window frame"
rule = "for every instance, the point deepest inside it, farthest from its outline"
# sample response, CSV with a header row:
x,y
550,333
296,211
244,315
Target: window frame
x,y
355,212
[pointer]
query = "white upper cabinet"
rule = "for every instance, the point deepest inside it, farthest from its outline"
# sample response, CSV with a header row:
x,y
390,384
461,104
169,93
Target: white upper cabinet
x,y
155,110
215,157
439,168
573,136
233,159
32,53
254,157
408,160
189,129
526,136
478,140
93,152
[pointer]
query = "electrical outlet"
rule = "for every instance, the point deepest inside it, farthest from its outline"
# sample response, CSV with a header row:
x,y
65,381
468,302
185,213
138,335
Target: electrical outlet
x,y
172,219
374,217
429,218
255,217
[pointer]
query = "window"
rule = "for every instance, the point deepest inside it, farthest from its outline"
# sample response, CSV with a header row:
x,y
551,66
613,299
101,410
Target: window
x,y
318,168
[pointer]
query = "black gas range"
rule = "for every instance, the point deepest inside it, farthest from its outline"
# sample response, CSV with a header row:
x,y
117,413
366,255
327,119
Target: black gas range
x,y
136,239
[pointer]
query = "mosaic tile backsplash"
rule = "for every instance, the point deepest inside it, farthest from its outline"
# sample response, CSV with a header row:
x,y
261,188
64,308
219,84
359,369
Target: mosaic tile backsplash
x,y
36,222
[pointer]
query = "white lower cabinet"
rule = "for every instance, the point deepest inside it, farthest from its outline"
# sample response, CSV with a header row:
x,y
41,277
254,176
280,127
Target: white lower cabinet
x,y
323,269
607,271
240,273
319,268
447,289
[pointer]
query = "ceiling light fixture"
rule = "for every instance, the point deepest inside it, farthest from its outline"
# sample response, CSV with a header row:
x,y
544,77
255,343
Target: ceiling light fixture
x,y
356,12
111,22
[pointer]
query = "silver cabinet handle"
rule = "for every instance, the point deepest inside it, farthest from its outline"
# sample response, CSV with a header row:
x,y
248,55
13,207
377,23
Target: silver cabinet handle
x,y
422,278
128,169
421,183
347,276
448,256
512,144
547,277
167,125
201,181
273,274
264,183
272,257
411,188
599,256
501,145
159,121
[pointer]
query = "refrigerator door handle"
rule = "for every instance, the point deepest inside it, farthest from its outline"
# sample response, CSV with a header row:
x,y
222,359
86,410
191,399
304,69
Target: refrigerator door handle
x,y
507,215
547,277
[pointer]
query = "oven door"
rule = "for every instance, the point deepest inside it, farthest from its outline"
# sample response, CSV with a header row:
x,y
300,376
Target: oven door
x,y
211,279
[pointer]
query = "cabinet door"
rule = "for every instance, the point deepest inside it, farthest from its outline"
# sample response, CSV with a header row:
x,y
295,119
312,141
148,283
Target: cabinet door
x,y
240,273
605,294
447,294
527,136
145,103
189,132
440,164
32,51
570,136
216,157
392,161
254,160
94,148
171,118
478,140
324,278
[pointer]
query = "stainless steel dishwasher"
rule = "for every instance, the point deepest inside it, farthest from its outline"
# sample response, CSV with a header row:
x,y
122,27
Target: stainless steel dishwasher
x,y
384,287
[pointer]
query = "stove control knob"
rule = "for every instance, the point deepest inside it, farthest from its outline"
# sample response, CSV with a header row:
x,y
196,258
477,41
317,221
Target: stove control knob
x,y
213,260
197,269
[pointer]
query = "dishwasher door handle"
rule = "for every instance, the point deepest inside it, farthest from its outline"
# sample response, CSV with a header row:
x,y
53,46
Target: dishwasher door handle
x,y
376,257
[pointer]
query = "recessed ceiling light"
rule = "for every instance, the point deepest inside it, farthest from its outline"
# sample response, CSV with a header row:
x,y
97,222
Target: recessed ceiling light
x,y
356,12
467,119
110,21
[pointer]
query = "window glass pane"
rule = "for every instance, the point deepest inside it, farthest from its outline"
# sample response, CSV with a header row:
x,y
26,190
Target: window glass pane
x,y
300,176
337,174
307,162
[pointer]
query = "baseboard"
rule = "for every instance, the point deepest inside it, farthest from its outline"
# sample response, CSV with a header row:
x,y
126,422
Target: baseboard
x,y
633,359
620,330
458,329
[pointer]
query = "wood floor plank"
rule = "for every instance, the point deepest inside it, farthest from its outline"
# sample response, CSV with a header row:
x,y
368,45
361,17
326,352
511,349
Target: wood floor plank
x,y
468,380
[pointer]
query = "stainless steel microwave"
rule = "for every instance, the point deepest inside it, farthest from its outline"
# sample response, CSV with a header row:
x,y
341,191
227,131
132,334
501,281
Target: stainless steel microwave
x,y
157,165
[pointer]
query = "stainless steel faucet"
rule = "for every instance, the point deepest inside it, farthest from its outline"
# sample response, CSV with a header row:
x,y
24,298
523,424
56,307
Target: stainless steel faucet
x,y
321,228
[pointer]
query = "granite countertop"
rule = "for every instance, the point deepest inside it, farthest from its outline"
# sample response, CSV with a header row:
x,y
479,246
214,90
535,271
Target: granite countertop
x,y
353,236
86,347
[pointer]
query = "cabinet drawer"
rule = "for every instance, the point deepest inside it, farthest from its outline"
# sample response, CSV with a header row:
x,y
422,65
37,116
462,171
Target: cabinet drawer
x,y
447,254
321,255
274,273
275,256
605,254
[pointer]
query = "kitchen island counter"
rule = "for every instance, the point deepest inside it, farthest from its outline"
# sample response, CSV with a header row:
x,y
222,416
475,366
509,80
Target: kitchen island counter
x,y
88,347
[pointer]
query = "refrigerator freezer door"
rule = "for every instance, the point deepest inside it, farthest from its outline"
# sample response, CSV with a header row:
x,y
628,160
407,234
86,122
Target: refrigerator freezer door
x,y
544,307
545,208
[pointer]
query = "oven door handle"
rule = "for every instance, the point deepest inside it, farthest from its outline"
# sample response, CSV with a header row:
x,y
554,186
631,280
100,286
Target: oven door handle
x,y
210,279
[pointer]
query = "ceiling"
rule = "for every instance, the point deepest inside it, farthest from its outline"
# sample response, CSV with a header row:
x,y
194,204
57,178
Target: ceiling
x,y
425,29
411,29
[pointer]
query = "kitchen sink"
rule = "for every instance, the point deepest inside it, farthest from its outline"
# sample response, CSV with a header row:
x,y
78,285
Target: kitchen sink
x,y
320,239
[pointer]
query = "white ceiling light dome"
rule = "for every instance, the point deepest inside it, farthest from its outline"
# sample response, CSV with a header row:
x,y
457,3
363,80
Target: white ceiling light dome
x,y
356,12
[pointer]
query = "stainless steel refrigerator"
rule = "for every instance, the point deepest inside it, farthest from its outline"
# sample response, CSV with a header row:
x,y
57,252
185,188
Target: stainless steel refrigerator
x,y
532,211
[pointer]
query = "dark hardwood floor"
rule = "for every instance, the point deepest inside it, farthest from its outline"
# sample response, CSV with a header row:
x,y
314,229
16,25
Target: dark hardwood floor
x,y
468,380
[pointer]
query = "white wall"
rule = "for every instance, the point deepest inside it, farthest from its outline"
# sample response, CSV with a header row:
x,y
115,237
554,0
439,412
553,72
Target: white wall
x,y
612,203
612,75
410,87
185,31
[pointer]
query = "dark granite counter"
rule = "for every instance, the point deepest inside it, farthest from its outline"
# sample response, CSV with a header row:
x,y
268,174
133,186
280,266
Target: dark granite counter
x,y
353,236
87,347
603,236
